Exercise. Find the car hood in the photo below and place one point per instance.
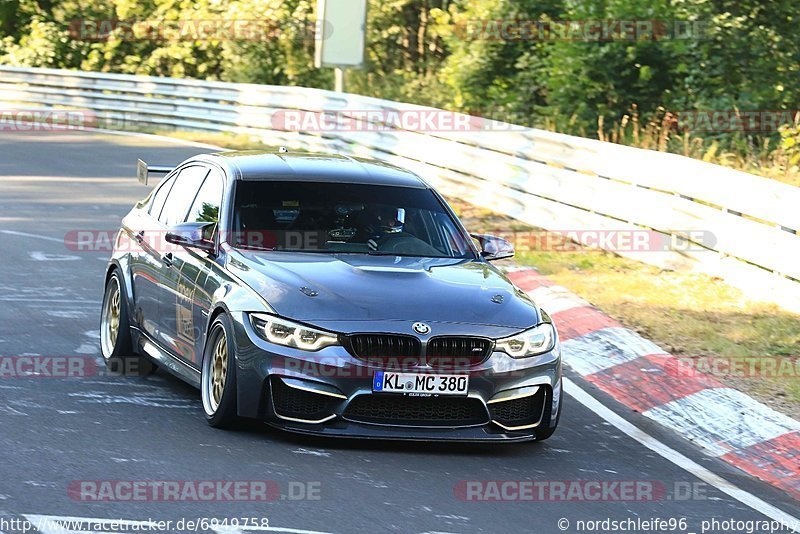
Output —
(325, 288)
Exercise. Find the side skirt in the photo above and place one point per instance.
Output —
(166, 361)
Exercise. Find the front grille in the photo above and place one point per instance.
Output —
(401, 351)
(386, 350)
(300, 404)
(416, 411)
(456, 352)
(520, 412)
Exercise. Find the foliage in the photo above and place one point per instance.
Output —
(712, 55)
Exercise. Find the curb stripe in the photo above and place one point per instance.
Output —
(791, 523)
(649, 381)
(602, 349)
(640, 375)
(577, 322)
(555, 299)
(777, 461)
(722, 420)
(528, 279)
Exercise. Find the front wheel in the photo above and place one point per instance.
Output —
(218, 379)
(115, 334)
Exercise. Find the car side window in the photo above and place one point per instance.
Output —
(206, 206)
(182, 194)
(157, 204)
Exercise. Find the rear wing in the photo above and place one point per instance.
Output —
(143, 170)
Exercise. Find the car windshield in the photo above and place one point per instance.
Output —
(326, 217)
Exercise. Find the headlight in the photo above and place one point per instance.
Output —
(289, 334)
(537, 340)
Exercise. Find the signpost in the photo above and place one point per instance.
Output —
(341, 35)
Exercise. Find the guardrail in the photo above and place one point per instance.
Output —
(554, 181)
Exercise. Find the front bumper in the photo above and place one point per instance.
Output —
(329, 393)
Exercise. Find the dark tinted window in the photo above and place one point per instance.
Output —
(340, 217)
(206, 205)
(183, 192)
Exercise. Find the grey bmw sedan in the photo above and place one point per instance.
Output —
(327, 295)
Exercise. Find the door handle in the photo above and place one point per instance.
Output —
(167, 259)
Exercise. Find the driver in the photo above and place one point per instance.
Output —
(375, 222)
(392, 220)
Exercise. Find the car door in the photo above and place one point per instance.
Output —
(180, 199)
(206, 208)
(145, 236)
(187, 300)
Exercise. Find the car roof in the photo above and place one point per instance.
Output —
(258, 165)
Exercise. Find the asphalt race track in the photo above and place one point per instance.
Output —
(56, 432)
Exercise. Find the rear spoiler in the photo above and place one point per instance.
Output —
(143, 170)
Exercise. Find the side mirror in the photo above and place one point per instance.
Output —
(199, 235)
(493, 247)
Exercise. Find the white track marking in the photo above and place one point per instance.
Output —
(87, 348)
(604, 348)
(66, 314)
(8, 410)
(34, 236)
(312, 452)
(556, 299)
(61, 241)
(155, 400)
(736, 421)
(43, 256)
(668, 453)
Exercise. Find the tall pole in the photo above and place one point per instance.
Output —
(338, 73)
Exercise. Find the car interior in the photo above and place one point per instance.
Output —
(311, 217)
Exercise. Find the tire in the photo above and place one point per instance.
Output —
(545, 431)
(115, 334)
(218, 378)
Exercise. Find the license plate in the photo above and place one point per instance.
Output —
(389, 382)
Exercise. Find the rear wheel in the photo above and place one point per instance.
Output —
(115, 334)
(218, 380)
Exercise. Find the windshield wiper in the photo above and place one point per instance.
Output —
(253, 247)
(278, 249)
(382, 253)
